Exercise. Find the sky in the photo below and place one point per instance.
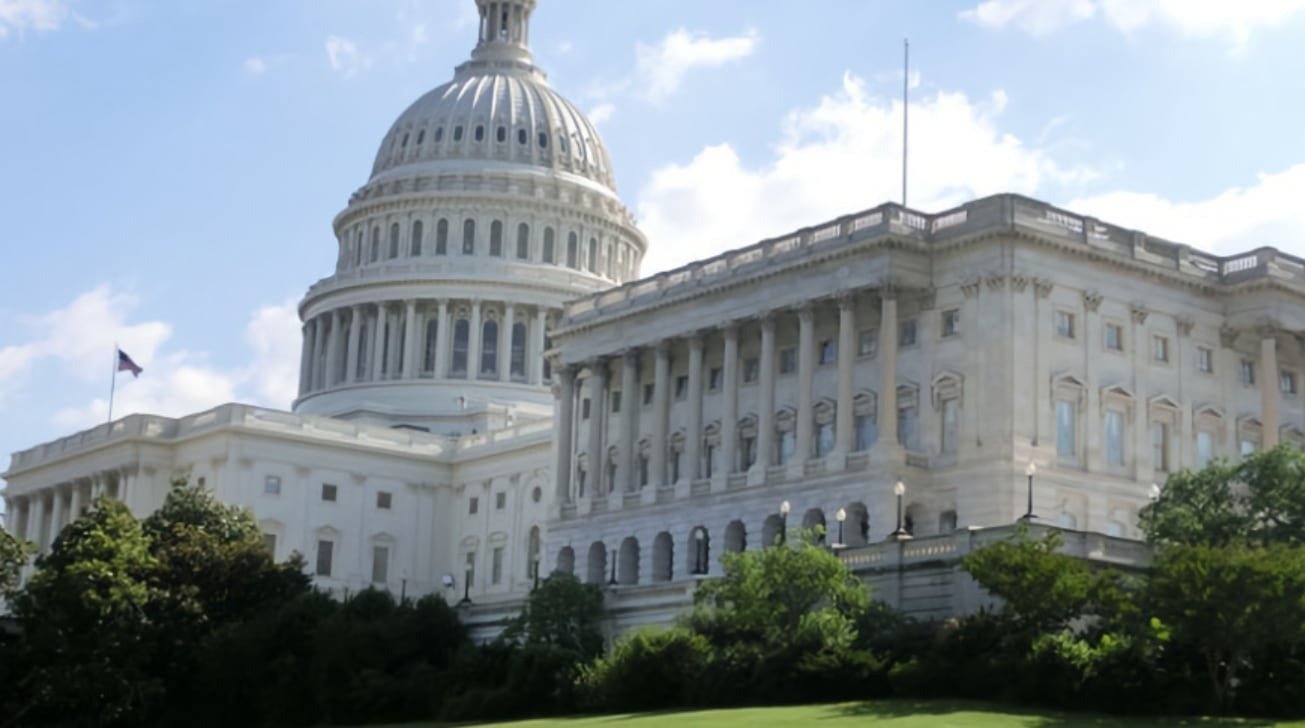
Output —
(169, 169)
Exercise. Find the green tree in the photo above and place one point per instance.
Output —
(14, 553)
(562, 613)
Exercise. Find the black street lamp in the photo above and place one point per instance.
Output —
(1030, 471)
(612, 581)
(784, 508)
(901, 534)
(1155, 492)
(466, 589)
(403, 588)
(840, 517)
(534, 568)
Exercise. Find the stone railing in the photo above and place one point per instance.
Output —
(999, 212)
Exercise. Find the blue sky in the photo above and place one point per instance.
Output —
(171, 167)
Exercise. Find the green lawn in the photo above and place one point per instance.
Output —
(886, 713)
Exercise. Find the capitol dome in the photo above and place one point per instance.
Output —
(491, 204)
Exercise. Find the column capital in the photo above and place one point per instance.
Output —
(1185, 325)
(1042, 287)
(846, 300)
(1228, 336)
(1268, 328)
(631, 355)
(695, 341)
(1092, 300)
(806, 313)
(970, 288)
(663, 347)
(1139, 312)
(730, 329)
(767, 322)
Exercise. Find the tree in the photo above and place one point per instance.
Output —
(562, 613)
(14, 553)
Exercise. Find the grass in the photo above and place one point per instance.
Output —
(879, 713)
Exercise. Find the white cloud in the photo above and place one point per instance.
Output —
(840, 156)
(660, 69)
(23, 15)
(602, 113)
(255, 66)
(1195, 18)
(345, 57)
(79, 340)
(1235, 220)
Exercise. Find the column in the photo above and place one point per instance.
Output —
(75, 505)
(1269, 388)
(565, 408)
(806, 372)
(766, 398)
(320, 358)
(306, 359)
(730, 419)
(410, 345)
(35, 518)
(693, 436)
(443, 335)
(393, 356)
(473, 342)
(843, 441)
(629, 406)
(56, 512)
(597, 463)
(378, 344)
(351, 357)
(661, 411)
(123, 492)
(505, 342)
(332, 346)
(535, 360)
(887, 415)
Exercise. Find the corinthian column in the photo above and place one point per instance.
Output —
(410, 339)
(806, 373)
(730, 420)
(766, 402)
(693, 438)
(473, 342)
(887, 415)
(443, 335)
(378, 345)
(597, 386)
(629, 406)
(565, 409)
(1269, 387)
(351, 358)
(661, 411)
(306, 359)
(846, 361)
(332, 348)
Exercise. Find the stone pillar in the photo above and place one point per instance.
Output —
(473, 342)
(729, 422)
(535, 357)
(505, 342)
(806, 373)
(306, 359)
(661, 412)
(123, 491)
(410, 346)
(597, 386)
(75, 503)
(332, 348)
(394, 356)
(629, 406)
(443, 335)
(36, 518)
(887, 414)
(378, 345)
(320, 359)
(565, 408)
(351, 357)
(766, 401)
(843, 441)
(693, 436)
(1269, 388)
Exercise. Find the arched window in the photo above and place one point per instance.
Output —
(489, 347)
(572, 259)
(376, 245)
(432, 341)
(699, 551)
(597, 567)
(501, 134)
(518, 368)
(611, 262)
(457, 133)
(469, 237)
(461, 333)
(627, 566)
(522, 137)
(442, 237)
(523, 241)
(480, 133)
(663, 555)
(736, 537)
(421, 137)
(593, 255)
(496, 239)
(533, 551)
(416, 238)
(358, 248)
(548, 246)
(543, 140)
(394, 240)
(439, 134)
(566, 560)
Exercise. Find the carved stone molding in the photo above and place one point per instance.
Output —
(927, 298)
(995, 281)
(1139, 313)
(846, 300)
(1267, 328)
(1042, 287)
(970, 288)
(1228, 336)
(1092, 300)
(1018, 282)
(1185, 325)
(302, 470)
(888, 289)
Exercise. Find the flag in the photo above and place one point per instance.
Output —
(125, 364)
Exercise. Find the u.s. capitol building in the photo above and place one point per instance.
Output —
(489, 392)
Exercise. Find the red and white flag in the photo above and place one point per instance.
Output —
(125, 364)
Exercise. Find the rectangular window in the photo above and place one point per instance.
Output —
(1114, 438)
(269, 543)
(866, 432)
(784, 447)
(1065, 324)
(1204, 359)
(1114, 337)
(1160, 446)
(1247, 372)
(500, 500)
(951, 322)
(1247, 447)
(1287, 382)
(584, 408)
(906, 334)
(329, 492)
(748, 451)
(950, 423)
(380, 564)
(1066, 435)
(272, 485)
(473, 505)
(647, 394)
(907, 418)
(324, 549)
(1204, 448)
(824, 439)
(828, 352)
(383, 499)
(715, 379)
(616, 401)
(496, 566)
(1160, 348)
(681, 386)
(867, 342)
(751, 369)
(787, 360)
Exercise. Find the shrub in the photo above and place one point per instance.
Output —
(647, 670)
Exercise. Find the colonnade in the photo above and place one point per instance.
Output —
(423, 338)
(39, 515)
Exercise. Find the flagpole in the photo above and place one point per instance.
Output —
(113, 380)
(906, 82)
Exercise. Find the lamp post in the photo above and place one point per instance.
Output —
(403, 588)
(534, 568)
(1155, 492)
(612, 581)
(901, 534)
(1030, 471)
(840, 517)
(784, 508)
(466, 589)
